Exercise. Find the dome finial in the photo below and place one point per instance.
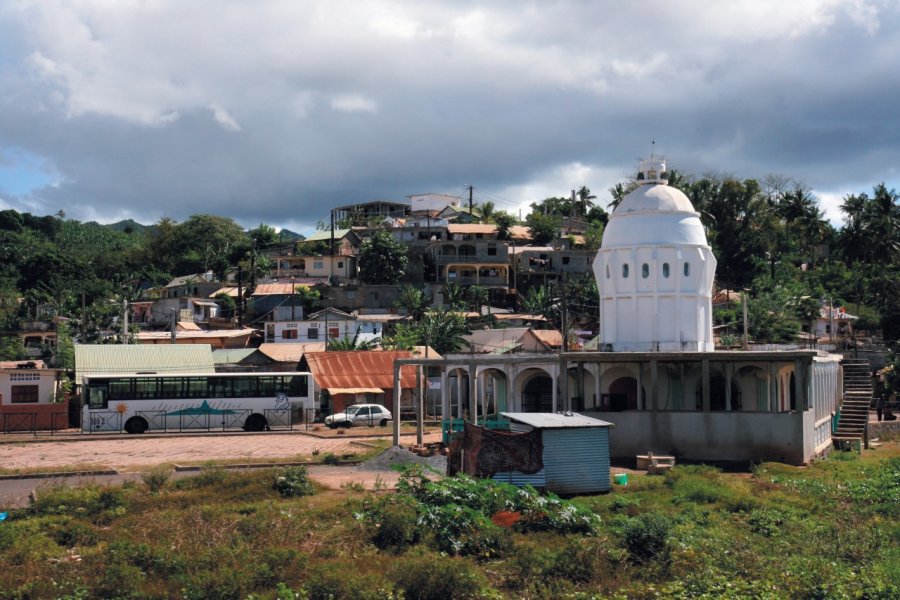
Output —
(653, 170)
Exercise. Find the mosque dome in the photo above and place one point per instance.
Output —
(655, 270)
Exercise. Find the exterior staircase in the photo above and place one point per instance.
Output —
(851, 427)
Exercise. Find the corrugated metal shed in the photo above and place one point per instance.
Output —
(555, 420)
(238, 355)
(576, 451)
(131, 358)
(373, 369)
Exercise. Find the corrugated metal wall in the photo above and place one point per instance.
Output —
(520, 479)
(576, 461)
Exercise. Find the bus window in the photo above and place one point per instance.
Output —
(297, 386)
(97, 395)
(244, 387)
(145, 388)
(170, 388)
(120, 389)
(194, 387)
(219, 387)
(267, 387)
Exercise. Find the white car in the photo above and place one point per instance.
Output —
(360, 414)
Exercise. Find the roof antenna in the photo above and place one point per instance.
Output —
(652, 148)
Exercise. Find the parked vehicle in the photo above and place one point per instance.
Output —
(360, 414)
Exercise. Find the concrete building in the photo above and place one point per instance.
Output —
(657, 376)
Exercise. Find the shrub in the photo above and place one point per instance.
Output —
(90, 499)
(431, 577)
(339, 582)
(73, 533)
(156, 479)
(398, 526)
(292, 482)
(647, 537)
(208, 477)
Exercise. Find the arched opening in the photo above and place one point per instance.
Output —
(718, 399)
(537, 394)
(495, 389)
(623, 394)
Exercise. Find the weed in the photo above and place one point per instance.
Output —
(209, 476)
(292, 482)
(156, 479)
(430, 577)
(647, 537)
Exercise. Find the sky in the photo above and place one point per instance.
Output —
(275, 111)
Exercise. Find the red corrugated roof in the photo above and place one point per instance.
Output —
(374, 369)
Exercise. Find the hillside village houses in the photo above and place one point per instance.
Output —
(654, 371)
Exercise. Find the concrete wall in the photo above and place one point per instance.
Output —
(710, 436)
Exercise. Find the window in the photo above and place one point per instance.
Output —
(340, 264)
(289, 334)
(312, 333)
(607, 271)
(492, 249)
(687, 269)
(24, 394)
(666, 270)
(625, 271)
(645, 270)
(318, 264)
(566, 260)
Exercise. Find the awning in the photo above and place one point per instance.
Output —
(361, 390)
(205, 303)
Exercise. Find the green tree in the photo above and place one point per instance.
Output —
(583, 202)
(382, 259)
(413, 300)
(543, 228)
(504, 221)
(478, 296)
(454, 296)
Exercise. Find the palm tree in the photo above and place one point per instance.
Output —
(488, 210)
(618, 193)
(454, 295)
(583, 204)
(413, 300)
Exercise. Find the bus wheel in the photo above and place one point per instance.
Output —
(255, 422)
(136, 425)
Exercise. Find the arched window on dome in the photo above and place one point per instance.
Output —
(625, 271)
(666, 270)
(607, 271)
(645, 270)
(687, 269)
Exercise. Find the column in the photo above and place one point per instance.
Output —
(704, 365)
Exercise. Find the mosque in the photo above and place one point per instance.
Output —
(656, 375)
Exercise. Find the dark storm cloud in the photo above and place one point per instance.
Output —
(276, 111)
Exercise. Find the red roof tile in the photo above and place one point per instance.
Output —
(373, 369)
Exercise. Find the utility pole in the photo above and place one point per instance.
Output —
(252, 286)
(746, 344)
(240, 302)
(124, 321)
(292, 299)
(470, 200)
(173, 324)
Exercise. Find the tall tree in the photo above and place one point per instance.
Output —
(382, 259)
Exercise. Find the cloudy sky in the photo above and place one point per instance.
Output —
(276, 110)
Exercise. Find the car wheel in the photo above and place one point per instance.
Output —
(136, 425)
(383, 422)
(347, 424)
(255, 422)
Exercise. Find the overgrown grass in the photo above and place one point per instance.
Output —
(827, 531)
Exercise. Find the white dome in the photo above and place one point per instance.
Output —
(658, 198)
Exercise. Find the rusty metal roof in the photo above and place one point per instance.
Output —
(373, 369)
(288, 352)
(551, 337)
(471, 228)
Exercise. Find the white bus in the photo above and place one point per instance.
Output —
(139, 402)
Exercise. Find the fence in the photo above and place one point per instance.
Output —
(38, 419)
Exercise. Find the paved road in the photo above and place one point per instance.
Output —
(129, 455)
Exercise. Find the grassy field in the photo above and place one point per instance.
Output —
(828, 531)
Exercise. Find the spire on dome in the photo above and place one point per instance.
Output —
(653, 171)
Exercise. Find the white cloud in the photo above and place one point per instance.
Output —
(830, 202)
(223, 118)
(353, 103)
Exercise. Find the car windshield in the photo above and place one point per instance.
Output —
(352, 410)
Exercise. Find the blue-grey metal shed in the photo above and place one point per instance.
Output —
(576, 452)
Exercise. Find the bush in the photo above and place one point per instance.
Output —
(340, 582)
(292, 482)
(647, 537)
(398, 526)
(431, 577)
(156, 479)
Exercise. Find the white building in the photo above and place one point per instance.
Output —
(330, 323)
(655, 271)
(657, 376)
(432, 203)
